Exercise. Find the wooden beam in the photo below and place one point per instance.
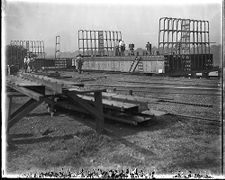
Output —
(114, 104)
(86, 90)
(15, 94)
(9, 98)
(45, 81)
(27, 92)
(99, 108)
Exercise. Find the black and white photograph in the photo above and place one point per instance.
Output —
(112, 89)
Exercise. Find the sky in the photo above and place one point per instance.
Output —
(137, 20)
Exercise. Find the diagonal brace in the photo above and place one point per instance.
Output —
(97, 111)
(23, 111)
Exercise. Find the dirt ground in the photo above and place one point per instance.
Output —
(166, 144)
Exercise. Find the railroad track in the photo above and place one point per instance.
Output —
(145, 90)
(200, 118)
(171, 84)
(186, 103)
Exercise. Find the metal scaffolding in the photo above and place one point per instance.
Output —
(98, 42)
(183, 36)
(185, 45)
(32, 47)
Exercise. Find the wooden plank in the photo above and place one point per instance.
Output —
(78, 90)
(15, 94)
(112, 103)
(116, 116)
(21, 81)
(50, 79)
(142, 102)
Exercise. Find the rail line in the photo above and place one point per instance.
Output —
(145, 90)
(186, 103)
(197, 117)
(171, 84)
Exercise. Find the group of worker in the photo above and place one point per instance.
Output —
(28, 64)
(120, 48)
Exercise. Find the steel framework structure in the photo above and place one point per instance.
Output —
(33, 47)
(57, 47)
(185, 45)
(98, 42)
(183, 36)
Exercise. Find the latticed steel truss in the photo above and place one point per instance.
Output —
(33, 47)
(57, 47)
(98, 42)
(183, 36)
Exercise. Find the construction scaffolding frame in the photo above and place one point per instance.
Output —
(32, 47)
(185, 44)
(98, 42)
(183, 36)
(57, 47)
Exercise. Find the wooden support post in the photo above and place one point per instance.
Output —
(99, 107)
(9, 98)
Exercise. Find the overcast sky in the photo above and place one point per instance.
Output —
(137, 20)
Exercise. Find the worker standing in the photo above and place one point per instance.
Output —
(149, 48)
(28, 65)
(25, 63)
(123, 48)
(120, 47)
(79, 61)
(32, 63)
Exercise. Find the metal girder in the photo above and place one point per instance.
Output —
(22, 111)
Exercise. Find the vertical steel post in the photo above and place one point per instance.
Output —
(91, 42)
(164, 29)
(82, 31)
(106, 40)
(110, 37)
(205, 50)
(208, 37)
(159, 33)
(95, 43)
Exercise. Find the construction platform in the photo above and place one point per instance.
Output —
(73, 96)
